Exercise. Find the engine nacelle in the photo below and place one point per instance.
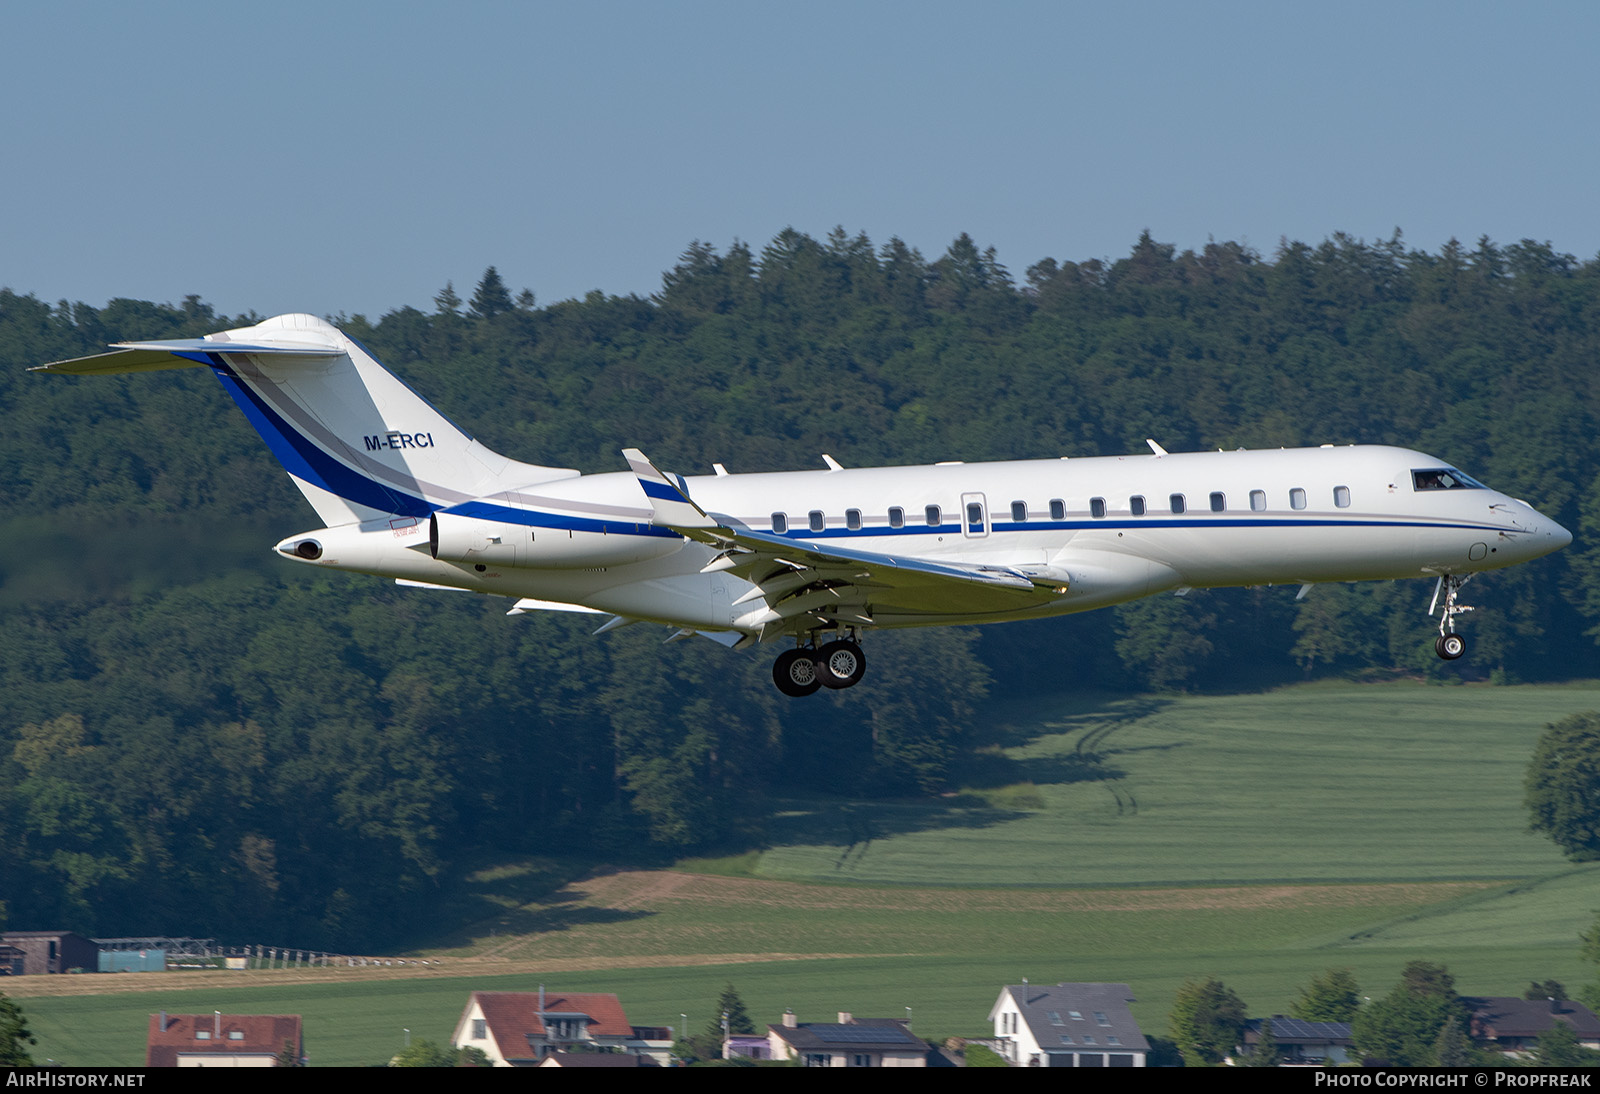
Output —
(454, 537)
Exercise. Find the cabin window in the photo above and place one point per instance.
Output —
(780, 523)
(852, 519)
(1444, 478)
(1297, 498)
(1136, 505)
(1258, 501)
(974, 516)
(897, 517)
(1341, 496)
(1177, 503)
(1218, 502)
(1019, 511)
(1058, 509)
(818, 521)
(1097, 507)
(933, 515)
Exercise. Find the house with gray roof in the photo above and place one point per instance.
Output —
(1301, 1042)
(1068, 1025)
(1513, 1025)
(849, 1042)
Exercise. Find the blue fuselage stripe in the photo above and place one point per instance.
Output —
(1187, 523)
(535, 518)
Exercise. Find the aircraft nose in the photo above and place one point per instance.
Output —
(1541, 535)
(1548, 536)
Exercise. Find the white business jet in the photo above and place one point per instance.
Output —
(820, 557)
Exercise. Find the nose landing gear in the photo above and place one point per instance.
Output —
(1449, 645)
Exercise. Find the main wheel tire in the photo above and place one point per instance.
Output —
(840, 664)
(1450, 646)
(795, 673)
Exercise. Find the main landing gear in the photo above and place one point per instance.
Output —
(837, 664)
(1449, 645)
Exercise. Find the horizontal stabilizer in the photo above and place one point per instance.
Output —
(185, 353)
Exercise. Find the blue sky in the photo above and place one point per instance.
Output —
(353, 157)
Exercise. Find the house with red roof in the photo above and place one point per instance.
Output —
(223, 1040)
(522, 1028)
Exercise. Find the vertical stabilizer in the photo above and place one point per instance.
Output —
(358, 443)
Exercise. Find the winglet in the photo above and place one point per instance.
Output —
(1156, 448)
(672, 507)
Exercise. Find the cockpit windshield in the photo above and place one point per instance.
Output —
(1444, 478)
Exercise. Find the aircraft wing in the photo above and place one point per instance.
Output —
(799, 582)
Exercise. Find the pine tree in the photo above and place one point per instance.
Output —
(14, 1036)
(1207, 1019)
(1405, 1027)
(491, 297)
(1266, 1051)
(729, 1003)
(1331, 997)
(1452, 1049)
(1559, 1047)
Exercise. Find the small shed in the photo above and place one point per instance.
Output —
(35, 953)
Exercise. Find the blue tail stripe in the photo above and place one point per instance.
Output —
(305, 460)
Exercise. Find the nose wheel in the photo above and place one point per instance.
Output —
(1449, 645)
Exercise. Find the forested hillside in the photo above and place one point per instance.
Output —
(197, 738)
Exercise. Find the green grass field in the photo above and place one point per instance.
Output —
(1258, 838)
(1396, 782)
